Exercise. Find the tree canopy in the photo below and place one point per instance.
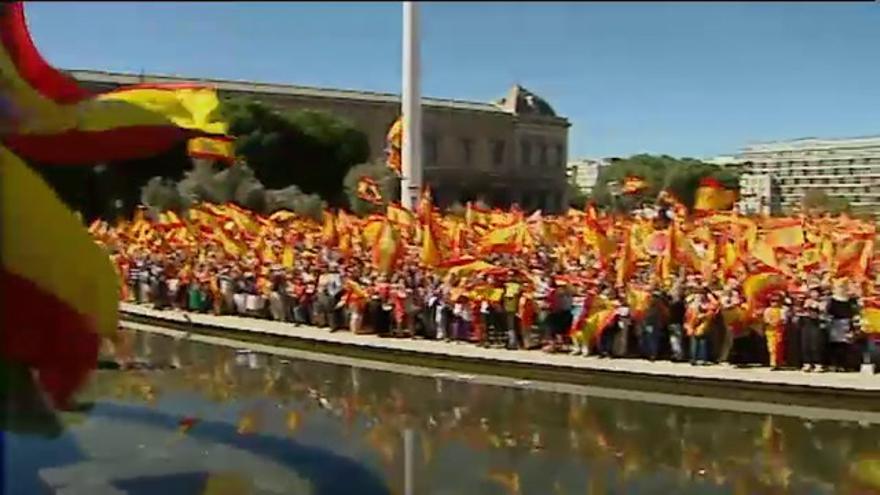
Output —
(307, 148)
(389, 186)
(681, 176)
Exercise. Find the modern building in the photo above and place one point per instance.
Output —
(848, 168)
(722, 160)
(513, 150)
(584, 172)
(758, 194)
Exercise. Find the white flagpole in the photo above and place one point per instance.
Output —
(411, 109)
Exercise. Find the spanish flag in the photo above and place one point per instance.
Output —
(287, 257)
(712, 196)
(788, 235)
(430, 255)
(329, 235)
(219, 148)
(368, 190)
(400, 215)
(759, 287)
(387, 248)
(48, 118)
(425, 207)
(633, 184)
(393, 145)
(853, 258)
(626, 261)
(511, 239)
(60, 290)
(475, 215)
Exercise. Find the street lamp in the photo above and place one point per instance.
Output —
(411, 109)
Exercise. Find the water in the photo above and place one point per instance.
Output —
(212, 420)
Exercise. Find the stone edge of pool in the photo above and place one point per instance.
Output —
(853, 391)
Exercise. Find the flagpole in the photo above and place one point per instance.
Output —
(411, 109)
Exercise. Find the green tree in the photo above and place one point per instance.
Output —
(161, 194)
(307, 148)
(114, 188)
(680, 175)
(389, 186)
(238, 184)
(577, 198)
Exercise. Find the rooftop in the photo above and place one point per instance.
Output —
(812, 143)
(122, 78)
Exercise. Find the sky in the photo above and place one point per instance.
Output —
(684, 79)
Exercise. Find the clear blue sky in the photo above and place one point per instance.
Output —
(685, 79)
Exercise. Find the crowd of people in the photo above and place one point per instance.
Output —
(718, 288)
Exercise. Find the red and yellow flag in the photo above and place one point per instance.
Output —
(788, 235)
(626, 261)
(713, 196)
(387, 248)
(48, 118)
(430, 254)
(400, 215)
(59, 288)
(633, 184)
(329, 235)
(368, 190)
(219, 148)
(512, 239)
(759, 287)
(393, 145)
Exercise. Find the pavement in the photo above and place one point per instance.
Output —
(862, 384)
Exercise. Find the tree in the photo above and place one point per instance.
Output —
(577, 198)
(161, 194)
(817, 200)
(680, 175)
(307, 148)
(389, 186)
(111, 189)
(238, 184)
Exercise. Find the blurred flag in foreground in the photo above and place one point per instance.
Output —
(50, 119)
(60, 291)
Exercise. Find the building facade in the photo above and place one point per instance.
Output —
(513, 150)
(584, 172)
(758, 194)
(847, 168)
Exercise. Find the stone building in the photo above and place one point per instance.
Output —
(513, 150)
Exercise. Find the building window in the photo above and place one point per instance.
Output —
(497, 152)
(431, 155)
(467, 150)
(560, 155)
(542, 154)
(525, 153)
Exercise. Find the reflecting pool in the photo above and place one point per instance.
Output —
(204, 419)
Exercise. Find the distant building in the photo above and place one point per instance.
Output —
(757, 195)
(847, 168)
(723, 160)
(584, 172)
(513, 150)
